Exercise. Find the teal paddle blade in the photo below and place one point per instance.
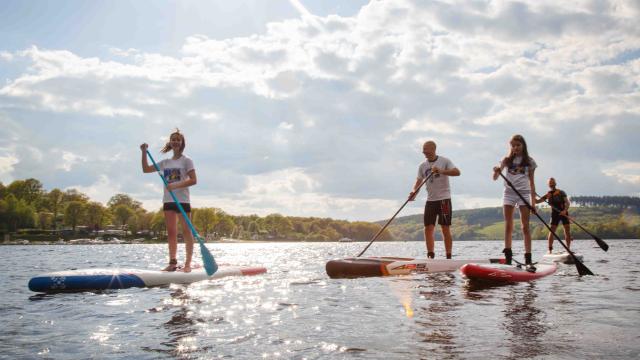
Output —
(209, 262)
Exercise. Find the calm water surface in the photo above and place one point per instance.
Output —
(296, 312)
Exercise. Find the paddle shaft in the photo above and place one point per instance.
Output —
(393, 217)
(582, 269)
(207, 258)
(603, 245)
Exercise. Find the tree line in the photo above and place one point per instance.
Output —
(612, 201)
(609, 222)
(25, 204)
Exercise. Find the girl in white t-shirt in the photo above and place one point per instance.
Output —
(520, 169)
(180, 174)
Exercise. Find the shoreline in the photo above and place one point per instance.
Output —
(23, 242)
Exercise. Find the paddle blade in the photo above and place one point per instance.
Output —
(603, 245)
(582, 269)
(207, 259)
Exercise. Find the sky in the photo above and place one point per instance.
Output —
(319, 108)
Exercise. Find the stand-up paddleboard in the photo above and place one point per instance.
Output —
(564, 258)
(505, 273)
(104, 279)
(386, 266)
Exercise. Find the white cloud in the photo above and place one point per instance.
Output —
(624, 172)
(123, 52)
(286, 181)
(65, 82)
(208, 116)
(327, 113)
(285, 126)
(69, 159)
(306, 14)
(7, 161)
(427, 125)
(6, 56)
(102, 190)
(602, 128)
(610, 80)
(461, 202)
(292, 192)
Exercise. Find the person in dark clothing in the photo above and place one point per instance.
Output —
(559, 203)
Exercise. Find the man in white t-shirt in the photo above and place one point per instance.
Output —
(438, 169)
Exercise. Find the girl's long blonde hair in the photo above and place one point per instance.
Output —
(167, 146)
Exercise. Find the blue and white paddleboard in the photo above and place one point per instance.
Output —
(104, 279)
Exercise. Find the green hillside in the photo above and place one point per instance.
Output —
(609, 222)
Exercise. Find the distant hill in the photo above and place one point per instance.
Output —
(28, 211)
(609, 222)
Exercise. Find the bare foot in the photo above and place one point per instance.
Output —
(170, 268)
(187, 268)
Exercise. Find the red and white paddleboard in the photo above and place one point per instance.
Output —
(505, 273)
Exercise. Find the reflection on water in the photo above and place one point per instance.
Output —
(295, 311)
(436, 316)
(525, 321)
(181, 327)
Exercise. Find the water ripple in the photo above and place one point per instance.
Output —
(295, 312)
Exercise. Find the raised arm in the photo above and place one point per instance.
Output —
(497, 170)
(146, 168)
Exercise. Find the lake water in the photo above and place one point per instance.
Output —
(296, 312)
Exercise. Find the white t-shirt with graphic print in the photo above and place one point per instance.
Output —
(518, 174)
(174, 171)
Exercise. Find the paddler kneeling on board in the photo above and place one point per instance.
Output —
(436, 171)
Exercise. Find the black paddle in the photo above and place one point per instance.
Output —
(582, 269)
(603, 245)
(393, 217)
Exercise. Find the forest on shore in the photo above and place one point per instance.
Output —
(610, 217)
(28, 211)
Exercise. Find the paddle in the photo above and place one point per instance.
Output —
(582, 269)
(603, 245)
(209, 262)
(393, 217)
